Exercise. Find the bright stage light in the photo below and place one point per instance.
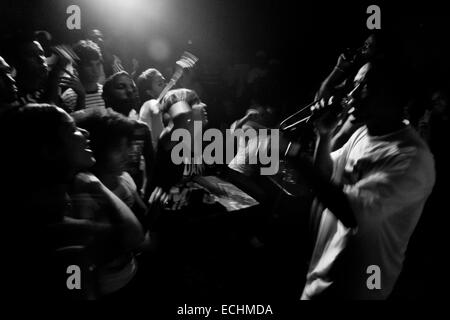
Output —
(125, 4)
(133, 18)
(158, 50)
(133, 10)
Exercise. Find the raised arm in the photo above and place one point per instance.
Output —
(319, 173)
(127, 232)
(335, 78)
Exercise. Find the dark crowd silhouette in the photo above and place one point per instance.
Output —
(89, 178)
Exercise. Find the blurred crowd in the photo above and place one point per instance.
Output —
(88, 176)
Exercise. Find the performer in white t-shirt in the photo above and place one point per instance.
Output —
(371, 193)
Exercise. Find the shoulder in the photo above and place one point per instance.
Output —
(145, 108)
(141, 131)
(140, 125)
(359, 135)
(86, 182)
(69, 93)
(405, 157)
(420, 157)
(128, 181)
(407, 144)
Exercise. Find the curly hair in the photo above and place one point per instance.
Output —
(144, 82)
(106, 129)
(87, 50)
(109, 85)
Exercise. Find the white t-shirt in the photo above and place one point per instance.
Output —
(246, 158)
(387, 180)
(152, 116)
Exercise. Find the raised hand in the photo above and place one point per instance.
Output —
(86, 182)
(74, 83)
(346, 60)
(158, 197)
(187, 60)
(253, 115)
(326, 115)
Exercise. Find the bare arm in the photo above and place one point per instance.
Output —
(319, 174)
(128, 233)
(251, 115)
(336, 77)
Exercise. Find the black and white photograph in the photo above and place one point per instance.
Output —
(223, 159)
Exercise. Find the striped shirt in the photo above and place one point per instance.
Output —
(92, 99)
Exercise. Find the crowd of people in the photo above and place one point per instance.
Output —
(88, 176)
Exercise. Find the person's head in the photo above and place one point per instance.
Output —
(8, 89)
(369, 47)
(42, 146)
(120, 93)
(440, 102)
(96, 36)
(150, 83)
(379, 44)
(90, 63)
(45, 39)
(185, 102)
(377, 95)
(27, 56)
(110, 136)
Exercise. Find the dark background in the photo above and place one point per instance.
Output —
(306, 36)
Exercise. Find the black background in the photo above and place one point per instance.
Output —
(306, 36)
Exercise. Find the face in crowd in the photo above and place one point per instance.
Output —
(358, 95)
(124, 88)
(368, 50)
(157, 85)
(47, 135)
(117, 157)
(439, 102)
(75, 144)
(91, 71)
(33, 63)
(123, 95)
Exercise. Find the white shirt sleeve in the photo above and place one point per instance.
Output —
(404, 181)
